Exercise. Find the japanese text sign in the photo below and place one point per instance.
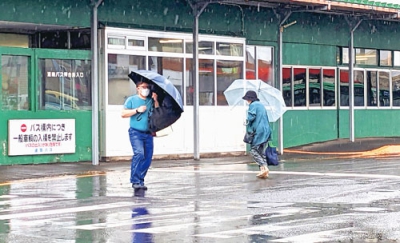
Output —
(44, 136)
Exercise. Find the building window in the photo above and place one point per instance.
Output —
(205, 47)
(287, 88)
(259, 63)
(329, 87)
(221, 61)
(396, 58)
(136, 42)
(120, 87)
(384, 91)
(15, 81)
(321, 79)
(165, 45)
(169, 67)
(314, 84)
(227, 72)
(65, 84)
(79, 39)
(299, 86)
(309, 86)
(339, 55)
(265, 64)
(14, 40)
(229, 49)
(372, 88)
(206, 82)
(385, 58)
(359, 87)
(396, 88)
(189, 89)
(366, 57)
(116, 42)
(345, 55)
(344, 87)
(251, 62)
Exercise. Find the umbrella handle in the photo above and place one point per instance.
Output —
(139, 117)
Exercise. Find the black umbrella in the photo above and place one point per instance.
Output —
(169, 98)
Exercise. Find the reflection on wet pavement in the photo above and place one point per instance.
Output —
(300, 202)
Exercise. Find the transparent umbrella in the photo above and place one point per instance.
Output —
(269, 96)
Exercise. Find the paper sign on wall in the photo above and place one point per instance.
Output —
(41, 136)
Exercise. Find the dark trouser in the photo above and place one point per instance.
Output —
(142, 146)
(257, 151)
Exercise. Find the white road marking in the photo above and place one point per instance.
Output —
(262, 229)
(212, 222)
(8, 196)
(144, 219)
(377, 176)
(68, 210)
(321, 236)
(202, 170)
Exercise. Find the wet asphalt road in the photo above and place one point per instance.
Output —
(350, 200)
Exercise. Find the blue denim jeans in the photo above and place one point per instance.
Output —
(142, 146)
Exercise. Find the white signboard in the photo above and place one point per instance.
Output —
(44, 136)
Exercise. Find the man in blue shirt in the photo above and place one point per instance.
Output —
(137, 108)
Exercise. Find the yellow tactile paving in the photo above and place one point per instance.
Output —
(389, 150)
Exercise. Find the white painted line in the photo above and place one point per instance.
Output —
(213, 222)
(8, 196)
(262, 229)
(131, 221)
(322, 236)
(281, 173)
(68, 210)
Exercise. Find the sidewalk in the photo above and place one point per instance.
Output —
(342, 148)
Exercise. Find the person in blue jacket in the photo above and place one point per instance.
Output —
(257, 122)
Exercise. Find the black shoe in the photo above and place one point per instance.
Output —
(136, 186)
(144, 187)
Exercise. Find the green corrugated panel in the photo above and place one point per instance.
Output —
(371, 3)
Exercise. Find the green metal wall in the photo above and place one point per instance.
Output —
(83, 137)
(82, 117)
(55, 12)
(309, 126)
(258, 25)
(308, 54)
(370, 123)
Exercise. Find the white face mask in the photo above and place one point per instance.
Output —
(145, 92)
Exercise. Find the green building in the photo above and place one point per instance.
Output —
(53, 109)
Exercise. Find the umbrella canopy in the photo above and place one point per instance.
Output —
(162, 83)
(268, 96)
(169, 98)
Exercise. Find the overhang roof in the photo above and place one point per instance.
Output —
(370, 9)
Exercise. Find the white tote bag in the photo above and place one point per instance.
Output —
(164, 132)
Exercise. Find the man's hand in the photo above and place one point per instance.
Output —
(141, 109)
(155, 98)
(130, 112)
